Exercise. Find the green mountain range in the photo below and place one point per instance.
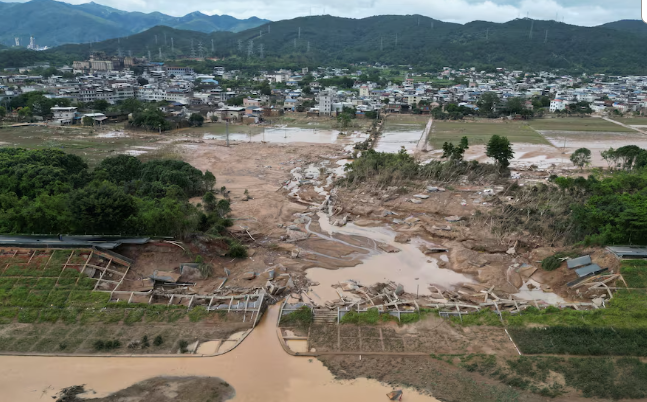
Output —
(54, 23)
(413, 40)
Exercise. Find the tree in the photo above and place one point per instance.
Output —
(344, 120)
(25, 112)
(515, 105)
(307, 90)
(487, 103)
(455, 152)
(150, 118)
(142, 81)
(196, 119)
(581, 157)
(101, 208)
(209, 202)
(101, 105)
(87, 121)
(3, 112)
(236, 101)
(209, 180)
(499, 149)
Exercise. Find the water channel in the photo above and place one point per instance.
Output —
(258, 369)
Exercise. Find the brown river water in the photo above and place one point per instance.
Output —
(258, 369)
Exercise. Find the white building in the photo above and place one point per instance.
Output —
(557, 104)
(63, 115)
(325, 103)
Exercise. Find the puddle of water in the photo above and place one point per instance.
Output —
(208, 348)
(251, 369)
(293, 134)
(410, 267)
(112, 134)
(392, 141)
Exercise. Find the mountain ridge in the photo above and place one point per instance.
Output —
(55, 23)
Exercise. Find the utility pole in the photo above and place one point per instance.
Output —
(546, 38)
(227, 131)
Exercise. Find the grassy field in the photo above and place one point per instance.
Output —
(577, 124)
(479, 132)
(48, 306)
(632, 121)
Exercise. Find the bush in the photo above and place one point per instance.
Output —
(158, 341)
(237, 251)
(183, 346)
(301, 318)
(551, 263)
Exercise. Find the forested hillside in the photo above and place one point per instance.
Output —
(54, 23)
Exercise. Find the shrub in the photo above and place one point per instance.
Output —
(301, 317)
(158, 341)
(551, 263)
(183, 346)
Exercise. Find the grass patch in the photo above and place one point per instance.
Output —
(581, 341)
(8, 314)
(69, 315)
(198, 313)
(300, 318)
(175, 315)
(50, 315)
(635, 273)
(370, 317)
(577, 124)
(134, 316)
(482, 318)
(28, 315)
(480, 131)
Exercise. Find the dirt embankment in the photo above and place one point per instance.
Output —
(159, 389)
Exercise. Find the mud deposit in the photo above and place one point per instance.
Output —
(258, 370)
(161, 389)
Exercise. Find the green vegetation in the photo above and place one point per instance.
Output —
(581, 341)
(48, 191)
(387, 169)
(301, 318)
(577, 124)
(480, 131)
(373, 316)
(500, 149)
(422, 42)
(553, 376)
(581, 157)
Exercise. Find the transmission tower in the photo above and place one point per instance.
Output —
(192, 50)
(250, 48)
(200, 50)
(532, 24)
(308, 51)
(546, 37)
(165, 44)
(172, 46)
(156, 39)
(160, 53)
(213, 49)
(396, 40)
(487, 35)
(299, 33)
(240, 46)
(381, 44)
(295, 43)
(261, 52)
(149, 55)
(130, 53)
(119, 53)
(269, 29)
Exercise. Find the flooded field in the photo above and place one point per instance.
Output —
(284, 135)
(251, 369)
(396, 136)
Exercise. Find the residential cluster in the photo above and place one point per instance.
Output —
(325, 91)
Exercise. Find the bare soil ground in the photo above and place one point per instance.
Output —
(160, 389)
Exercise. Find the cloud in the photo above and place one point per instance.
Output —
(579, 12)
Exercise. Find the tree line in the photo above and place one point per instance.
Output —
(49, 191)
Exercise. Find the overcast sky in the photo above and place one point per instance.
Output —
(579, 12)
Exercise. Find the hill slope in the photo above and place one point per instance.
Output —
(394, 40)
(634, 26)
(55, 23)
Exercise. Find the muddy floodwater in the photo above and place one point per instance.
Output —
(258, 369)
(286, 135)
(410, 267)
(396, 136)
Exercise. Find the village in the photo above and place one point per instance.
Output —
(334, 271)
